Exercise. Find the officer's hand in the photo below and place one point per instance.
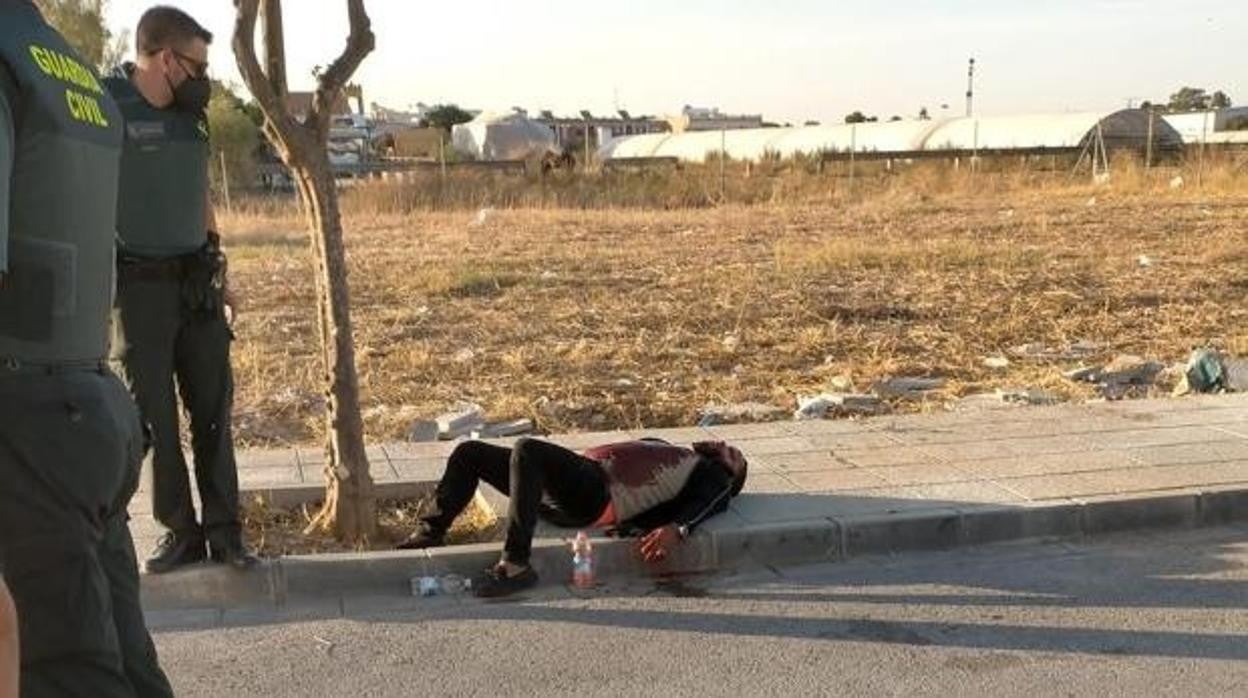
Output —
(231, 305)
(656, 545)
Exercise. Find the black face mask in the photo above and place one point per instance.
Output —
(192, 95)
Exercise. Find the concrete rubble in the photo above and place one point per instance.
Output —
(460, 421)
(823, 405)
(1038, 351)
(907, 387)
(739, 413)
(1117, 378)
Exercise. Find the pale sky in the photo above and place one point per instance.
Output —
(791, 60)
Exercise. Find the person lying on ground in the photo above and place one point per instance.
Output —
(648, 487)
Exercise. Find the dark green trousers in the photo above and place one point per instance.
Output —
(70, 450)
(164, 351)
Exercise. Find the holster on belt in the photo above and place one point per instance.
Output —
(200, 275)
(204, 279)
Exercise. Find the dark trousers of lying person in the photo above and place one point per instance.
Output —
(647, 486)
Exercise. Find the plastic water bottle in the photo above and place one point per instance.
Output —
(582, 562)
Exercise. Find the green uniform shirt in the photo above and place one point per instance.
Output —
(60, 135)
(164, 175)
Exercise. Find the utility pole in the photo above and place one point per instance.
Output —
(970, 88)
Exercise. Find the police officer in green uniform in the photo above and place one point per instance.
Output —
(70, 437)
(170, 323)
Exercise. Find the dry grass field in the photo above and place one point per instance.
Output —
(599, 316)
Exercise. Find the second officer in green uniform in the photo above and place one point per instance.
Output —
(70, 436)
(171, 336)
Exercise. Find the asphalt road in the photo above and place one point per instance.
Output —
(1163, 614)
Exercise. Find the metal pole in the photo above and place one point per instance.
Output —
(1204, 137)
(225, 184)
(723, 162)
(853, 152)
(970, 89)
(975, 149)
(1148, 151)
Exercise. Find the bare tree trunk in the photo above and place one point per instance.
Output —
(350, 499)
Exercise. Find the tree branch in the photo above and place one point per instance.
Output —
(282, 125)
(360, 43)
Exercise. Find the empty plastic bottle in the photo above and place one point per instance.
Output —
(582, 562)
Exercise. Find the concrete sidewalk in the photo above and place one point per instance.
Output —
(832, 489)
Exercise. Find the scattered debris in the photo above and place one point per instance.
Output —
(327, 645)
(1083, 374)
(1130, 370)
(463, 356)
(981, 402)
(1209, 372)
(1101, 178)
(423, 430)
(424, 586)
(1038, 351)
(548, 275)
(731, 342)
(1203, 374)
(1144, 261)
(997, 362)
(820, 406)
(1177, 182)
(515, 427)
(907, 388)
(1006, 398)
(1236, 374)
(1119, 377)
(739, 413)
(1091, 202)
(461, 421)
(1029, 396)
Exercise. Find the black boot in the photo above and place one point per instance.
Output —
(227, 549)
(423, 537)
(176, 550)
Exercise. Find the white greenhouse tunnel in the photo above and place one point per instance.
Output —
(1126, 128)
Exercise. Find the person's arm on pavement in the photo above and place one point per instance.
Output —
(707, 493)
(9, 662)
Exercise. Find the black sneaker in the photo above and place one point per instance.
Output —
(495, 583)
(176, 550)
(231, 551)
(423, 537)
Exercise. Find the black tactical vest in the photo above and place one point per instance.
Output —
(164, 175)
(56, 297)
